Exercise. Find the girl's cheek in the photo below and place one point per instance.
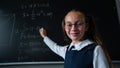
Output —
(81, 28)
(66, 30)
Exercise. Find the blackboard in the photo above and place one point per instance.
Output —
(20, 21)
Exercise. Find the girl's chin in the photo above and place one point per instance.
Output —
(74, 38)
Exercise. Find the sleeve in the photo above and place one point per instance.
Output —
(60, 50)
(99, 59)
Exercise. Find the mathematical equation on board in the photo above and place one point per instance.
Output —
(25, 33)
(30, 43)
(36, 10)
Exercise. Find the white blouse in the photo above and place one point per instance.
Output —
(99, 59)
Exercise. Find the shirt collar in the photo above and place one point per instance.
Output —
(81, 45)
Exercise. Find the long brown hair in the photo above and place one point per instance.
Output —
(91, 34)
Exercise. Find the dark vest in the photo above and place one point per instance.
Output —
(80, 59)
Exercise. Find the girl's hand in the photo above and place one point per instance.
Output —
(42, 32)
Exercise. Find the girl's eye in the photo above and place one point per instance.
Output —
(79, 24)
(68, 24)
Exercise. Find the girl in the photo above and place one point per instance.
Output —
(85, 49)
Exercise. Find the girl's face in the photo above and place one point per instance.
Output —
(75, 26)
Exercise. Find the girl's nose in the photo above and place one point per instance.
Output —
(74, 27)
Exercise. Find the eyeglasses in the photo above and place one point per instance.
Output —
(78, 24)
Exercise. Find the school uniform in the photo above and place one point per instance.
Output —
(84, 54)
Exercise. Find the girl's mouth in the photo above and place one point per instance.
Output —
(74, 34)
